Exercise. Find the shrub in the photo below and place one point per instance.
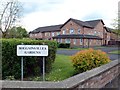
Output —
(88, 59)
(11, 63)
(10, 78)
(64, 45)
(37, 78)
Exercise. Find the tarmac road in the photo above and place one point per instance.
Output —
(107, 50)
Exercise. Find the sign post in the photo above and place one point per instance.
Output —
(22, 68)
(43, 68)
(32, 50)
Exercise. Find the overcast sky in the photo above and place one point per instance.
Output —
(38, 13)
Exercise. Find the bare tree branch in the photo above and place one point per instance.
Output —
(9, 16)
(3, 15)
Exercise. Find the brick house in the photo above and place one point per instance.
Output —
(76, 32)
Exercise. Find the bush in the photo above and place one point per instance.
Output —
(10, 78)
(11, 63)
(89, 59)
(64, 45)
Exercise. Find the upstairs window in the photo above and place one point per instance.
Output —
(64, 31)
(71, 31)
(52, 33)
(95, 33)
(78, 31)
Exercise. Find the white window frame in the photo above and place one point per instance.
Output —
(48, 33)
(95, 32)
(79, 31)
(71, 31)
(35, 34)
(45, 34)
(81, 41)
(64, 31)
(74, 41)
(67, 40)
(58, 33)
(53, 34)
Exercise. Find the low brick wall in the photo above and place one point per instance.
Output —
(95, 78)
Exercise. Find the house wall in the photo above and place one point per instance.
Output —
(71, 25)
(88, 31)
(36, 35)
(113, 37)
(85, 42)
(44, 35)
(83, 30)
(99, 30)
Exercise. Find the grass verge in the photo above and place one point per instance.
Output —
(62, 69)
(72, 48)
(115, 52)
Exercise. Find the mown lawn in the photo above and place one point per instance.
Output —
(72, 48)
(115, 52)
(62, 69)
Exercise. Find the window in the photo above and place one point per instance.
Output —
(71, 31)
(78, 31)
(52, 33)
(60, 40)
(95, 33)
(35, 34)
(58, 33)
(81, 41)
(64, 31)
(31, 35)
(67, 40)
(48, 33)
(74, 41)
(45, 34)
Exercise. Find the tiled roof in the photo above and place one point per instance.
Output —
(47, 28)
(77, 36)
(93, 23)
(108, 29)
(89, 24)
(82, 23)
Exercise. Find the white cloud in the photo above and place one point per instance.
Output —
(55, 12)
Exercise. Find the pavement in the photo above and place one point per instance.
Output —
(106, 49)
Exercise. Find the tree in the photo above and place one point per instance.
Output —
(17, 32)
(116, 25)
(9, 15)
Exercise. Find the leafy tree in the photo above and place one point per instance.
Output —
(116, 26)
(17, 32)
(9, 14)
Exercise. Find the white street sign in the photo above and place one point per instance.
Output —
(32, 50)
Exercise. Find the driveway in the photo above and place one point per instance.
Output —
(106, 49)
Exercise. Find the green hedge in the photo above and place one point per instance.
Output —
(64, 45)
(11, 63)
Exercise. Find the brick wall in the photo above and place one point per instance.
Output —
(72, 25)
(95, 78)
(100, 80)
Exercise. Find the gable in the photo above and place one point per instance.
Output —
(94, 23)
(78, 22)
